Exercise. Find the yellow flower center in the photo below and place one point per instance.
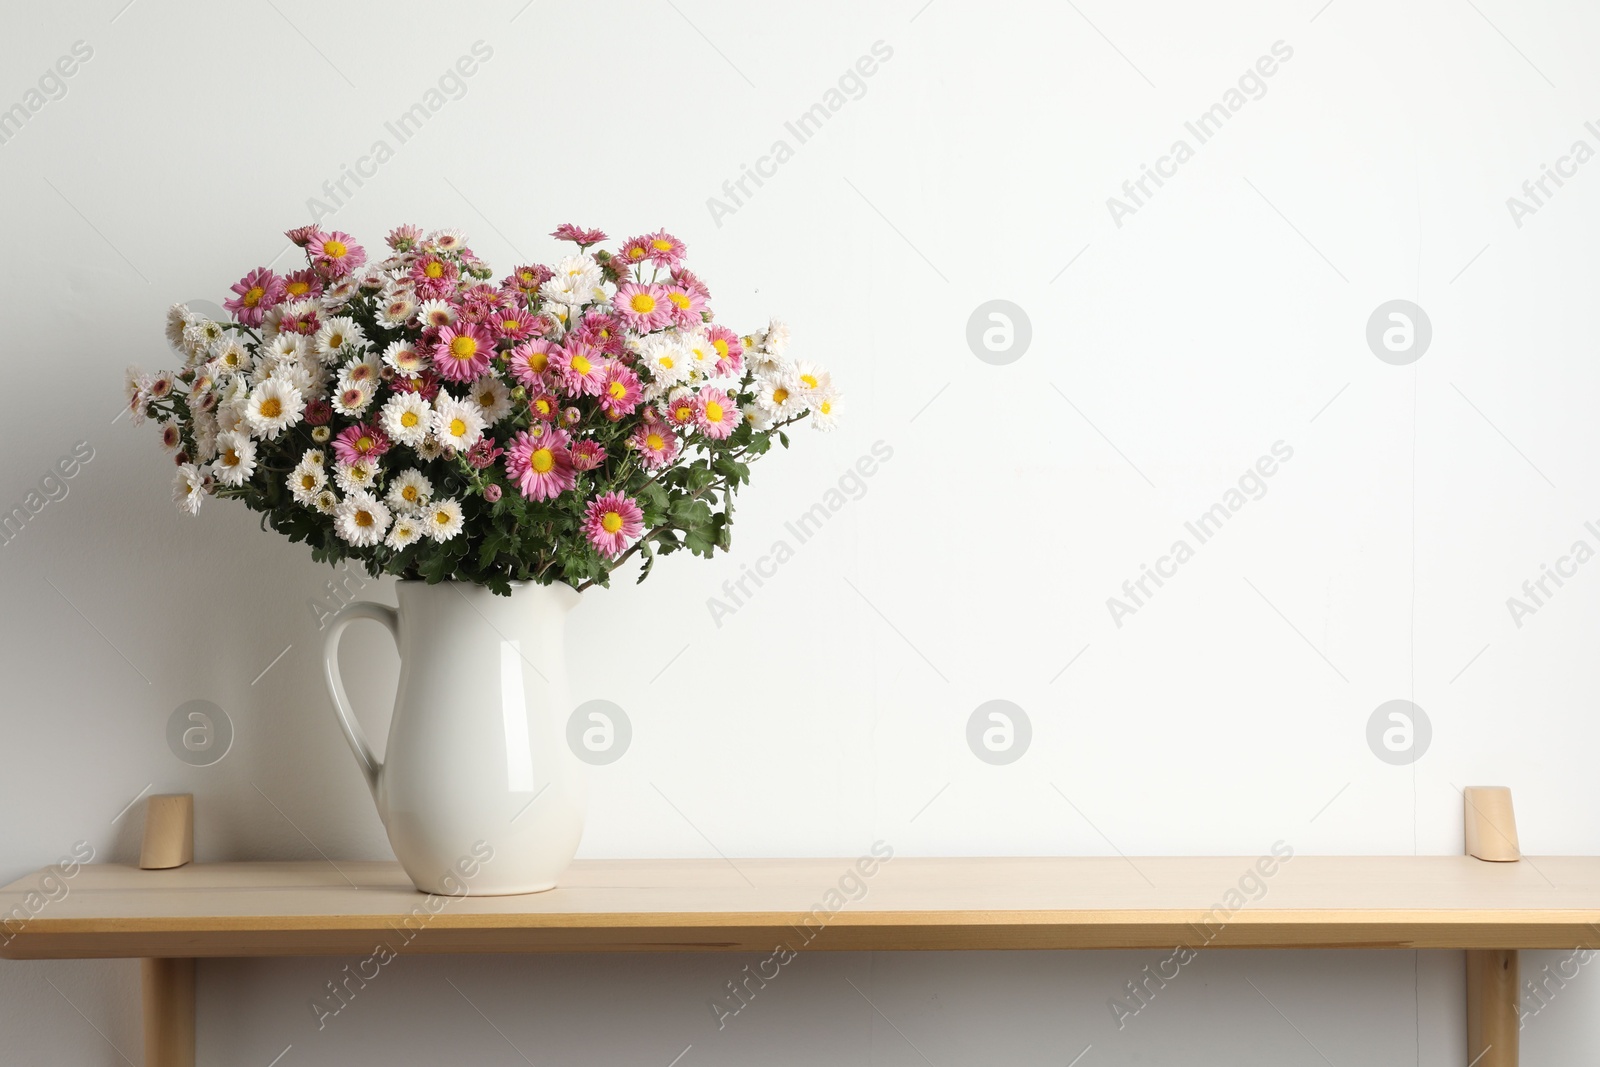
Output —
(643, 303)
(683, 414)
(666, 363)
(297, 288)
(612, 522)
(230, 458)
(364, 443)
(308, 481)
(364, 518)
(510, 324)
(334, 249)
(271, 408)
(826, 407)
(336, 340)
(721, 346)
(810, 380)
(779, 395)
(661, 245)
(635, 253)
(409, 494)
(617, 390)
(542, 406)
(486, 398)
(463, 348)
(442, 518)
(253, 297)
(542, 460)
(538, 361)
(655, 442)
(581, 365)
(434, 269)
(714, 411)
(458, 428)
(408, 419)
(679, 300)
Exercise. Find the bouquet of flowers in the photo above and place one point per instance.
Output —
(413, 415)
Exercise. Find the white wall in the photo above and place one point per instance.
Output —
(1226, 314)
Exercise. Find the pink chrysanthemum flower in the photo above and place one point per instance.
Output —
(581, 369)
(657, 446)
(682, 410)
(665, 249)
(611, 521)
(545, 407)
(526, 280)
(603, 331)
(642, 307)
(568, 232)
(687, 306)
(512, 324)
(305, 321)
(634, 251)
(301, 235)
(302, 285)
(491, 492)
(717, 416)
(462, 351)
(318, 412)
(730, 350)
(685, 277)
(360, 442)
(434, 277)
(254, 294)
(542, 468)
(335, 254)
(620, 393)
(530, 361)
(587, 455)
(404, 238)
(483, 454)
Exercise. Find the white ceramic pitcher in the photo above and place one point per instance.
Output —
(477, 762)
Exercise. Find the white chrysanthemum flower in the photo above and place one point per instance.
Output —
(230, 352)
(361, 519)
(177, 321)
(336, 335)
(756, 416)
(314, 457)
(205, 436)
(306, 481)
(171, 435)
(398, 310)
(357, 476)
(492, 397)
(404, 357)
(700, 353)
(447, 240)
(365, 372)
(327, 502)
(825, 411)
(353, 401)
(667, 359)
(230, 416)
(287, 346)
(189, 488)
(409, 491)
(811, 379)
(577, 281)
(457, 424)
(776, 342)
(337, 294)
(444, 520)
(435, 313)
(295, 373)
(780, 396)
(407, 531)
(406, 418)
(236, 458)
(274, 406)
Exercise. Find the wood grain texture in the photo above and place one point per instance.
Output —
(168, 987)
(314, 908)
(1492, 996)
(168, 831)
(1490, 824)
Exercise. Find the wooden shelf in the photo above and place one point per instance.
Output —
(314, 908)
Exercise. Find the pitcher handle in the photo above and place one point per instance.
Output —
(353, 612)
